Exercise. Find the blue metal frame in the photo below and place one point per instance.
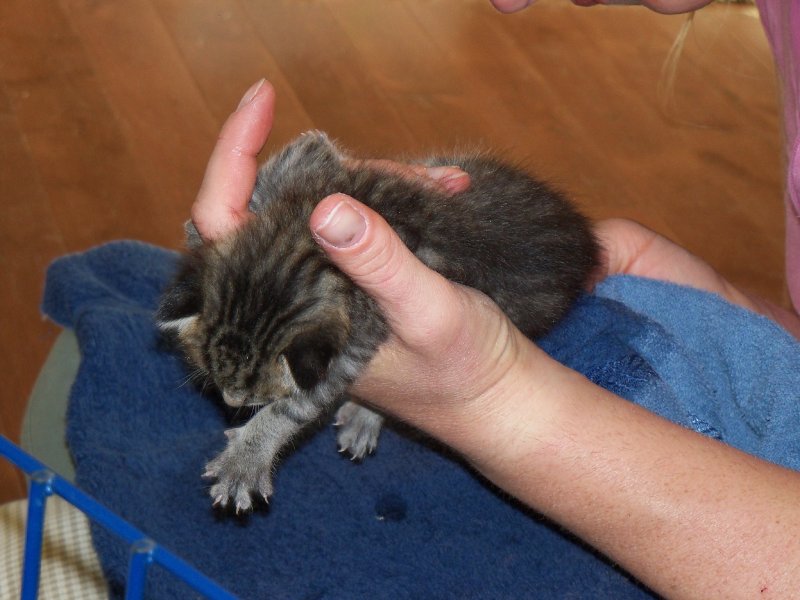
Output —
(144, 551)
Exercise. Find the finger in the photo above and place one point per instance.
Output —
(622, 244)
(415, 299)
(510, 6)
(447, 179)
(221, 204)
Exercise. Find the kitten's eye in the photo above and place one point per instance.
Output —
(308, 357)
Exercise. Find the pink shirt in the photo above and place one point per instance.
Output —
(781, 19)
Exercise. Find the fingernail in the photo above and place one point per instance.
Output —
(343, 227)
(250, 93)
(438, 173)
(456, 182)
(452, 179)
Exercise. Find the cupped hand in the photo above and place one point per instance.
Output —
(452, 354)
(453, 342)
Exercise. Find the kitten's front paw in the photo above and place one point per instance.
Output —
(359, 429)
(239, 471)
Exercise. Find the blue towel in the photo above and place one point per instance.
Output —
(412, 521)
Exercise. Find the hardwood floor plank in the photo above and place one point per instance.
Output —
(29, 239)
(223, 52)
(161, 115)
(12, 483)
(582, 88)
(328, 74)
(74, 138)
(438, 98)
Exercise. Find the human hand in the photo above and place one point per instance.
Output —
(221, 205)
(432, 336)
(453, 341)
(453, 359)
(661, 6)
(511, 6)
(632, 249)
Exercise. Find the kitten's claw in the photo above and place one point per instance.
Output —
(236, 495)
(238, 473)
(243, 502)
(359, 429)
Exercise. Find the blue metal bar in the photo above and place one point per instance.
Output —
(99, 513)
(18, 456)
(141, 559)
(39, 491)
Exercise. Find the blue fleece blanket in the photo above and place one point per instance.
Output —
(411, 521)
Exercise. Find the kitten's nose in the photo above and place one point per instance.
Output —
(234, 399)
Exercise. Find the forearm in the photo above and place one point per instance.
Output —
(685, 514)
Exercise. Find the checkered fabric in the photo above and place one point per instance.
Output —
(70, 569)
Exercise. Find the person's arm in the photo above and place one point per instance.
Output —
(687, 515)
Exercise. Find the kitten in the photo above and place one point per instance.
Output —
(273, 323)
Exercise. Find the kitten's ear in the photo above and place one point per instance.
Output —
(309, 357)
(181, 303)
(312, 154)
(193, 239)
(311, 166)
(315, 147)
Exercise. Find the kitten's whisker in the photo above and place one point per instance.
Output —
(193, 377)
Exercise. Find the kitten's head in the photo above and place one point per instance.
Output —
(263, 312)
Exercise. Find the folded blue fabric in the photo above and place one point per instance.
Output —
(411, 521)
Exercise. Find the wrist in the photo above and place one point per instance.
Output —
(516, 417)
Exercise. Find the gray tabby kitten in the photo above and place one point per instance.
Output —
(273, 323)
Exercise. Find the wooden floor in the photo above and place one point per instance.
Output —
(108, 111)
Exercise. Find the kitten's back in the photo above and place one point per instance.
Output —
(508, 235)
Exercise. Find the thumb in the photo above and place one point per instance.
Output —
(361, 243)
